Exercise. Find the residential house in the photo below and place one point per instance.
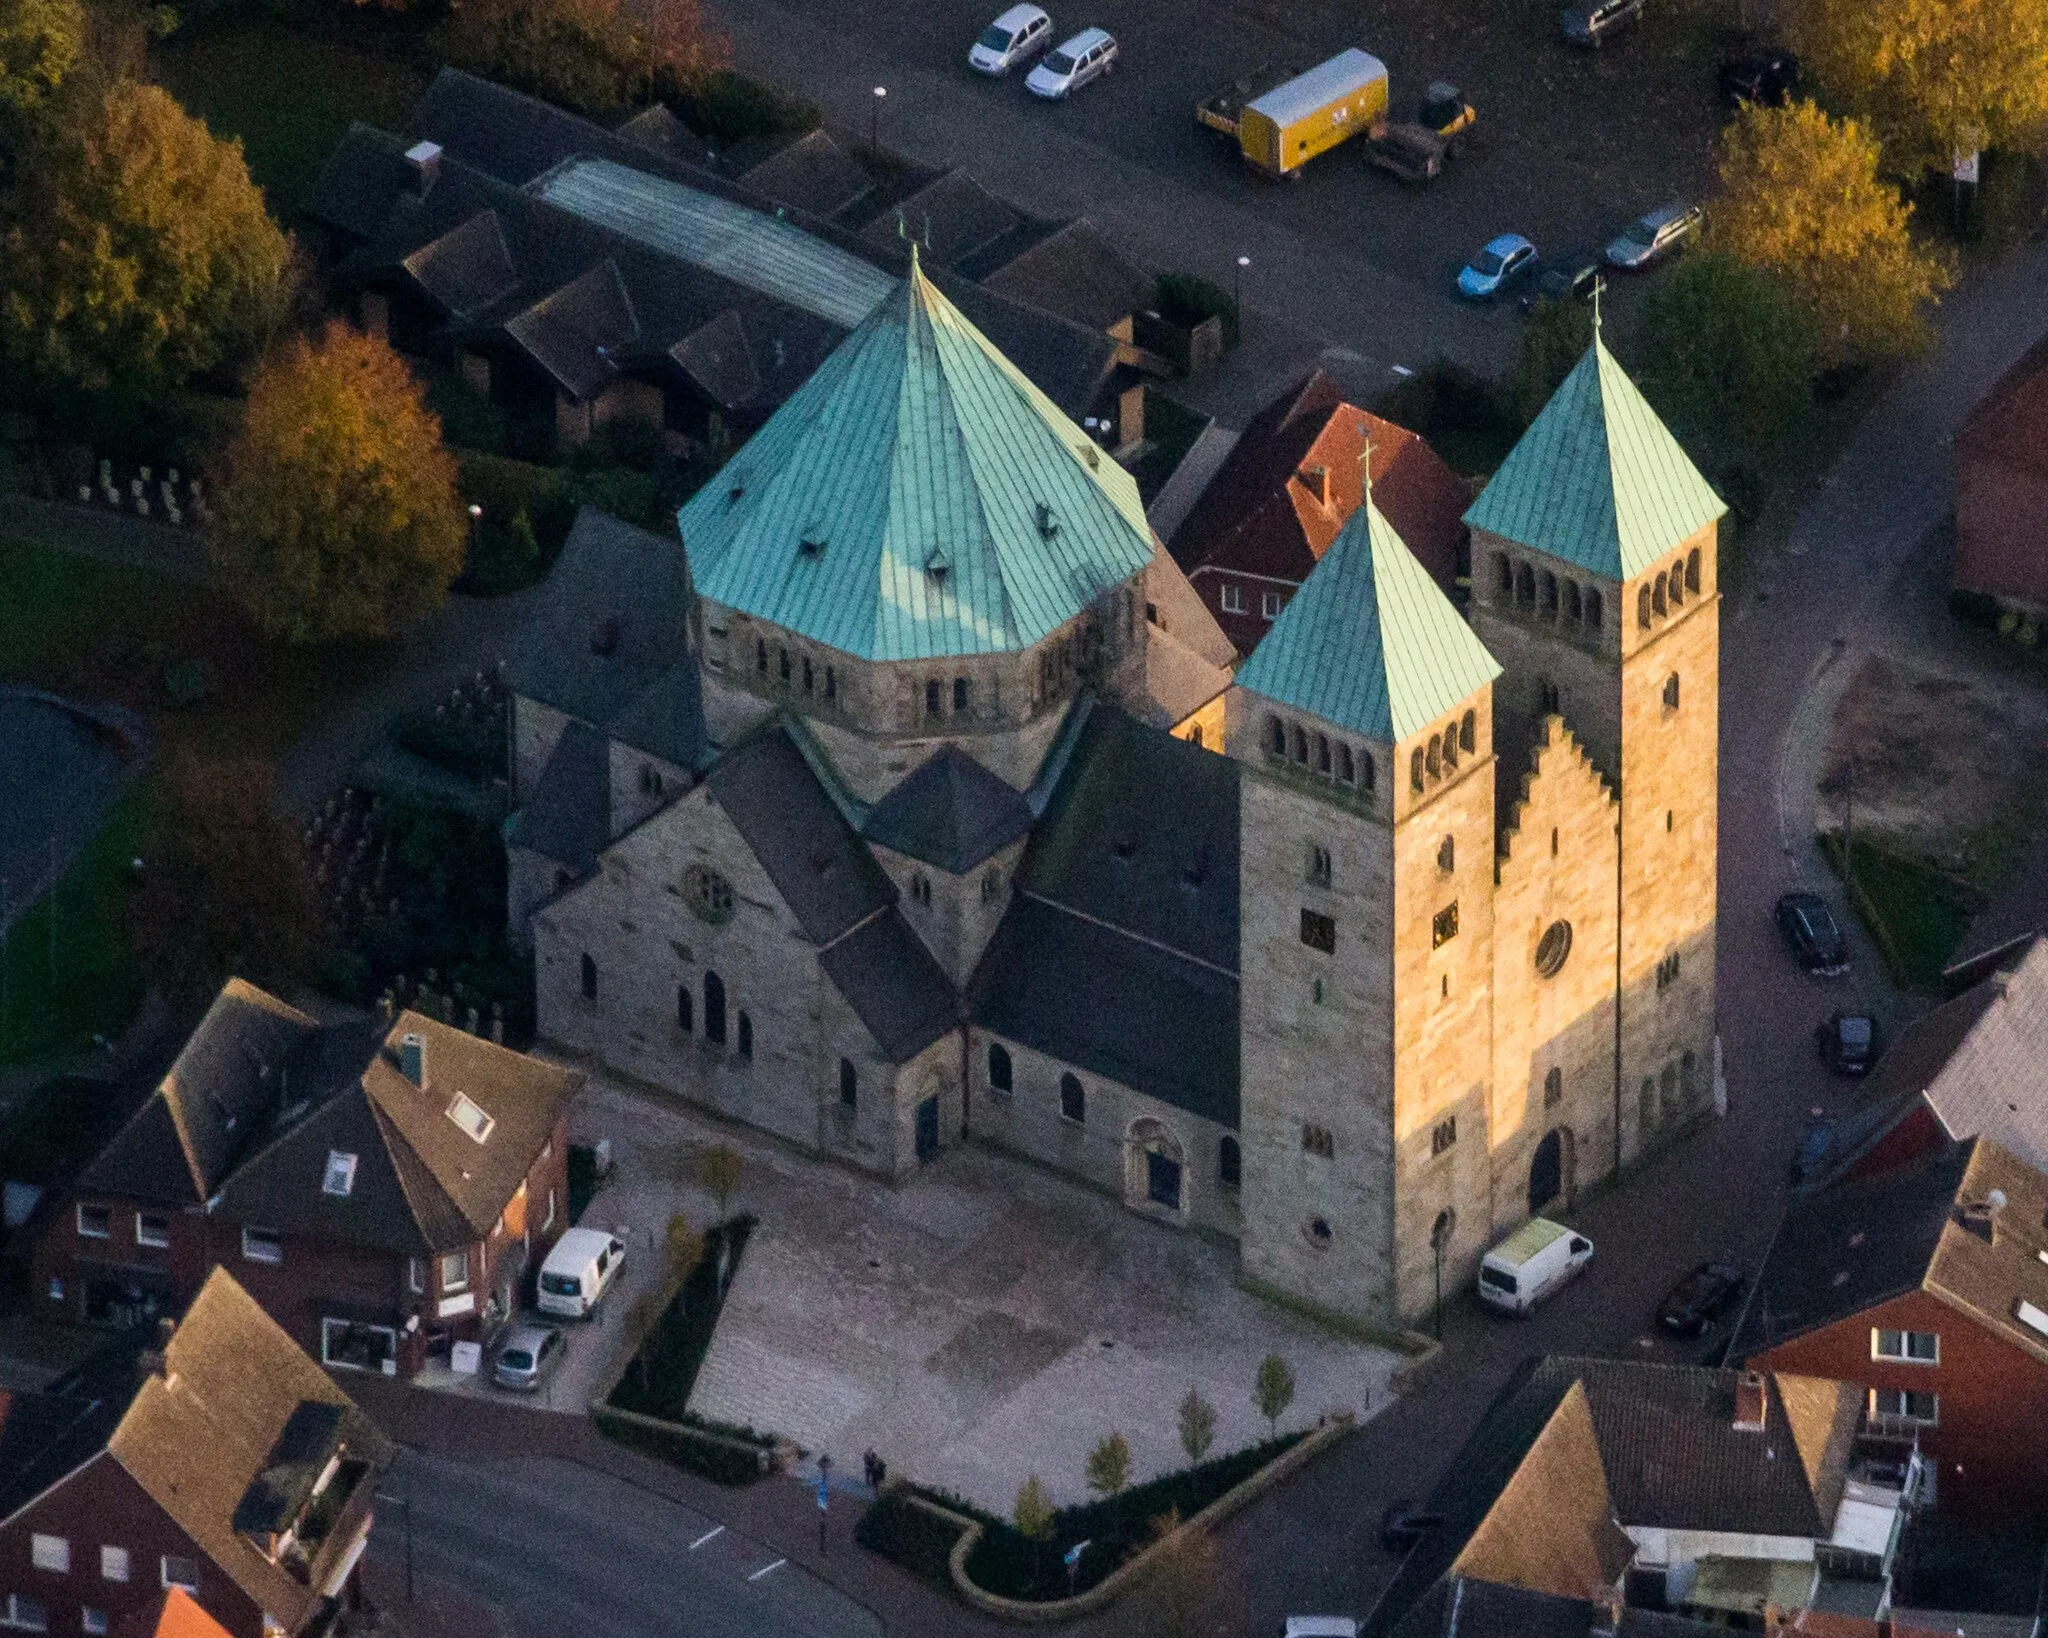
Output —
(1977, 1065)
(2001, 454)
(1927, 1288)
(1285, 492)
(223, 1462)
(382, 1188)
(581, 277)
(1637, 1491)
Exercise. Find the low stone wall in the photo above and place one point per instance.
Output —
(1128, 1574)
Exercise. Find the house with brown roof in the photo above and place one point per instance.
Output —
(381, 1187)
(222, 1464)
(1926, 1287)
(1619, 1496)
(1287, 489)
(2002, 490)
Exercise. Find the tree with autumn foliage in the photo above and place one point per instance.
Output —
(1933, 78)
(40, 43)
(1802, 200)
(135, 252)
(225, 892)
(589, 55)
(338, 515)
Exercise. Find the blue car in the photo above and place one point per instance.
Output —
(1498, 265)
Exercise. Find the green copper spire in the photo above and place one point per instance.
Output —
(917, 497)
(1597, 479)
(1369, 643)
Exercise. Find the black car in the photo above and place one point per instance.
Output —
(1569, 280)
(1848, 1043)
(1690, 1305)
(1403, 1524)
(1766, 77)
(1810, 929)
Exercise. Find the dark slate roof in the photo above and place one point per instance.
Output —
(952, 812)
(824, 872)
(1115, 846)
(580, 333)
(421, 1183)
(892, 982)
(659, 131)
(197, 1437)
(44, 1436)
(220, 1091)
(499, 131)
(1078, 274)
(667, 720)
(612, 620)
(467, 269)
(813, 174)
(953, 216)
(1847, 1248)
(1113, 1005)
(718, 357)
(356, 185)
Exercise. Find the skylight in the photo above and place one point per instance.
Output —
(2031, 1317)
(341, 1174)
(466, 1114)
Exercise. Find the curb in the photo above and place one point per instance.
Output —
(1124, 1576)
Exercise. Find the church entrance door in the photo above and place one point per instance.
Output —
(1550, 1172)
(928, 1129)
(1162, 1180)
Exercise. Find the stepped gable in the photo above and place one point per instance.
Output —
(917, 497)
(1370, 643)
(1597, 480)
(1557, 741)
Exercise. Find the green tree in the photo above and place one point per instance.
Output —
(225, 891)
(1801, 199)
(40, 42)
(1273, 1390)
(718, 1170)
(1931, 77)
(337, 513)
(137, 251)
(590, 55)
(1731, 356)
(1109, 1466)
(1197, 1425)
(1555, 338)
(1033, 1517)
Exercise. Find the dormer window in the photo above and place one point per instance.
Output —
(1048, 525)
(339, 1179)
(938, 565)
(468, 1115)
(812, 544)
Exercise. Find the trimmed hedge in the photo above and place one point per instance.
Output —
(710, 1455)
(911, 1537)
(658, 1380)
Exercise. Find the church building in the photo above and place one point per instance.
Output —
(916, 799)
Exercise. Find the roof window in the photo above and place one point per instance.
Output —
(938, 565)
(468, 1115)
(812, 542)
(2031, 1317)
(1048, 525)
(340, 1178)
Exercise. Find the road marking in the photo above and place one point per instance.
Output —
(716, 1529)
(756, 1576)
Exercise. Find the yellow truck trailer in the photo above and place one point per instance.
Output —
(1282, 129)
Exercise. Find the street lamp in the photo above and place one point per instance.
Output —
(1237, 295)
(875, 123)
(476, 514)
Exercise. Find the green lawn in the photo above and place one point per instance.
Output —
(66, 969)
(1916, 914)
(288, 96)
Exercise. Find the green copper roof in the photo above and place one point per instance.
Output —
(916, 497)
(1369, 642)
(1597, 479)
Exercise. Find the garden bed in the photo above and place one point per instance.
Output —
(1917, 915)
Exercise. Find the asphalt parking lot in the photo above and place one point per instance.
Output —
(1571, 144)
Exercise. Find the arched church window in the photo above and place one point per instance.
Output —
(1503, 576)
(782, 663)
(1643, 606)
(849, 1084)
(1276, 736)
(1659, 604)
(1553, 1089)
(1549, 592)
(1322, 753)
(931, 697)
(1229, 1162)
(685, 1009)
(1368, 775)
(1415, 769)
(1525, 585)
(589, 977)
(1073, 1099)
(1435, 761)
(1468, 731)
(714, 1009)
(1593, 607)
(998, 1067)
(1692, 570)
(1572, 605)
(761, 655)
(746, 1034)
(1300, 744)
(1671, 692)
(959, 694)
(1451, 747)
(1345, 770)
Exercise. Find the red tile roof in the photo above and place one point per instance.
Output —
(181, 1617)
(1270, 512)
(2010, 422)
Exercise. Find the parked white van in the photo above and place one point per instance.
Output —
(583, 1264)
(1531, 1263)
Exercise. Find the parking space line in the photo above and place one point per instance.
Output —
(716, 1529)
(756, 1576)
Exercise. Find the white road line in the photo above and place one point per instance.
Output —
(756, 1576)
(715, 1530)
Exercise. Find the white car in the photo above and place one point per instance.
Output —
(1021, 32)
(1088, 55)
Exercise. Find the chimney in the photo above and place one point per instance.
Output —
(1317, 478)
(412, 1057)
(424, 161)
(1749, 1402)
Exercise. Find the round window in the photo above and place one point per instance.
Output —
(1553, 947)
(708, 894)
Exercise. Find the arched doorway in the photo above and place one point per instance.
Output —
(1550, 1173)
(1155, 1167)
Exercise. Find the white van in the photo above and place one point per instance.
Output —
(1320, 1626)
(578, 1271)
(1531, 1263)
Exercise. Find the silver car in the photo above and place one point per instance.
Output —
(528, 1356)
(1649, 239)
(1087, 56)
